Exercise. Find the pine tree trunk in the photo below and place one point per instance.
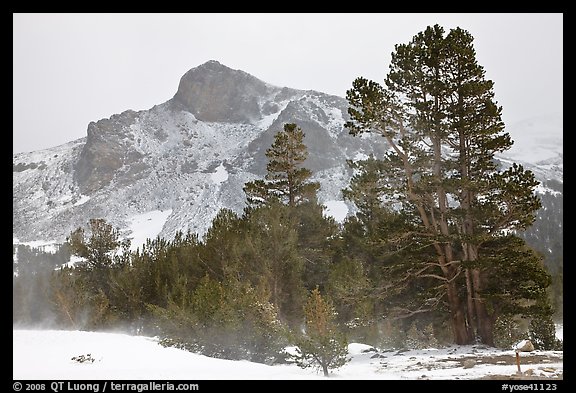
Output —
(470, 300)
(325, 369)
(484, 321)
(460, 330)
(275, 300)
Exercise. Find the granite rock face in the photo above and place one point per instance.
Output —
(213, 92)
(109, 147)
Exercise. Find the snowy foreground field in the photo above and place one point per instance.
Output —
(47, 354)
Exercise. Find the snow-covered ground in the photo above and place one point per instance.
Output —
(47, 354)
(146, 226)
(336, 209)
(220, 175)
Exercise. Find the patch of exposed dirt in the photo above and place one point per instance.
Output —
(510, 359)
(523, 376)
(527, 373)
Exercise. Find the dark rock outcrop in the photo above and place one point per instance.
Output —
(213, 92)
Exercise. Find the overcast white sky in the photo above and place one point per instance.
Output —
(71, 69)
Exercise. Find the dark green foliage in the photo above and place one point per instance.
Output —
(271, 248)
(356, 307)
(540, 330)
(222, 261)
(389, 246)
(516, 278)
(349, 285)
(542, 333)
(225, 320)
(287, 239)
(286, 180)
(316, 234)
(98, 249)
(438, 115)
(508, 331)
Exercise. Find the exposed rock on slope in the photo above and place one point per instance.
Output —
(189, 156)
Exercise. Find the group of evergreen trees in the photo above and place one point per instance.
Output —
(459, 210)
(432, 253)
(33, 269)
(240, 293)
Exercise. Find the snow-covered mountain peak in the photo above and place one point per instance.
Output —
(213, 92)
(181, 161)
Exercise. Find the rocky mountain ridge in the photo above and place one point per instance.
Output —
(190, 155)
(186, 158)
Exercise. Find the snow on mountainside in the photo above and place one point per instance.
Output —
(538, 145)
(537, 139)
(172, 167)
(187, 158)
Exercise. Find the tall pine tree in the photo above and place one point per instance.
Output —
(286, 179)
(438, 115)
(289, 234)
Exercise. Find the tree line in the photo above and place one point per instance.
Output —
(432, 254)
